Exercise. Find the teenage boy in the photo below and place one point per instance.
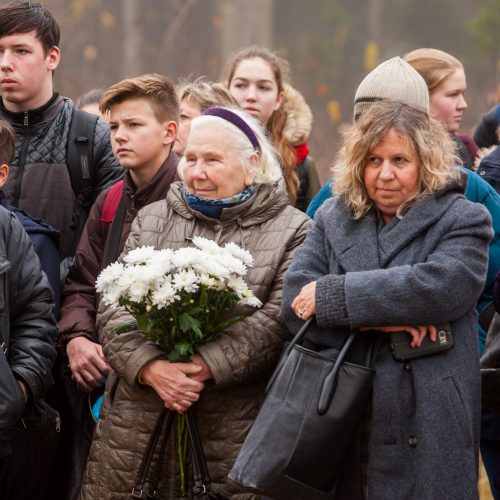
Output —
(55, 175)
(44, 238)
(143, 115)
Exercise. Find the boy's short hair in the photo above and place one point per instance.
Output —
(7, 143)
(21, 17)
(206, 94)
(157, 89)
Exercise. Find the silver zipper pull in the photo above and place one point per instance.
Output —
(26, 122)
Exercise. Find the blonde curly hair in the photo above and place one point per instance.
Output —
(427, 137)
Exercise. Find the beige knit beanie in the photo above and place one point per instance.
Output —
(392, 80)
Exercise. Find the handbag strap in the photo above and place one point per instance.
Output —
(155, 476)
(330, 382)
(142, 473)
(201, 479)
(288, 350)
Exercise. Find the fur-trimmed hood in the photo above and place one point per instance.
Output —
(299, 117)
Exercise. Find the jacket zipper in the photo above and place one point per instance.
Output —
(22, 160)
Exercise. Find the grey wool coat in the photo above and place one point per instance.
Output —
(427, 268)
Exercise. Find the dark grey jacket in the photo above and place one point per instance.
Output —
(27, 325)
(39, 181)
(427, 268)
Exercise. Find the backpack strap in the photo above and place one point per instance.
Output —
(79, 160)
(115, 233)
(110, 206)
(79, 157)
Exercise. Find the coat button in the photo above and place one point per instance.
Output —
(482, 172)
(217, 227)
(412, 441)
(407, 366)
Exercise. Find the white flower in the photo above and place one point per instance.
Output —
(208, 246)
(111, 296)
(207, 264)
(109, 276)
(207, 280)
(186, 257)
(186, 280)
(238, 285)
(140, 255)
(163, 260)
(231, 263)
(138, 291)
(239, 253)
(249, 299)
(164, 296)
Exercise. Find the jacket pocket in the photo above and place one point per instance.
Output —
(459, 417)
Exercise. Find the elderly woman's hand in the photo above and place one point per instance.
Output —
(173, 383)
(417, 333)
(205, 373)
(304, 305)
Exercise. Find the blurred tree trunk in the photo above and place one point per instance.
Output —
(131, 38)
(246, 22)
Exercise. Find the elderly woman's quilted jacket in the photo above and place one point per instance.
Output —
(240, 358)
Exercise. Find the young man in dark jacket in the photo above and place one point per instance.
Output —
(40, 181)
(143, 114)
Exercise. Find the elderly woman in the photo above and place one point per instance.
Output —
(233, 191)
(400, 248)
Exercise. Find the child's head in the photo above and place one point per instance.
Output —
(194, 98)
(89, 102)
(7, 150)
(143, 114)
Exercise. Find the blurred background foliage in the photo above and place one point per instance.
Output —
(331, 45)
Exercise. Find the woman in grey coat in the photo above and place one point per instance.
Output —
(399, 248)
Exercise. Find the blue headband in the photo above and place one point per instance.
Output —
(237, 121)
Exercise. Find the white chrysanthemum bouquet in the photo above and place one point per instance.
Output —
(182, 298)
(179, 299)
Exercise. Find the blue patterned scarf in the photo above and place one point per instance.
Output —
(213, 208)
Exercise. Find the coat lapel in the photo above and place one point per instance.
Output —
(356, 243)
(415, 222)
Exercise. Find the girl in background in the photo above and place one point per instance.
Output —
(258, 79)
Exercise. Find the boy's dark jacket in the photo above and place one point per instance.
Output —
(27, 325)
(78, 309)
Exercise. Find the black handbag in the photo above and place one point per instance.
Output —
(201, 489)
(312, 411)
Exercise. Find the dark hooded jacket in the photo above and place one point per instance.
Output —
(27, 326)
